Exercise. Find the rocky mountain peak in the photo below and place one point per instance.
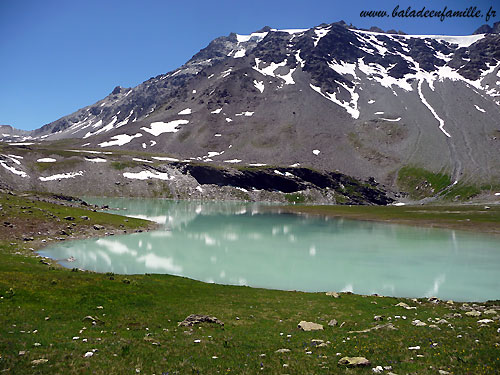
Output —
(487, 29)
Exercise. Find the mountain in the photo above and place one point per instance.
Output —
(333, 98)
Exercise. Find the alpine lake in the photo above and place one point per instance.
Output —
(242, 244)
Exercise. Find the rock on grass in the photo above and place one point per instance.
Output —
(354, 362)
(310, 326)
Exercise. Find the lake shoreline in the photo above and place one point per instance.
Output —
(423, 216)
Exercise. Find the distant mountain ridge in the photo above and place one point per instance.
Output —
(331, 97)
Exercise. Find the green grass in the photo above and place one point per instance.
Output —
(57, 166)
(462, 192)
(295, 198)
(139, 331)
(420, 183)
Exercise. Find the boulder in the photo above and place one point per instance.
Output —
(39, 361)
(354, 361)
(473, 313)
(193, 319)
(333, 294)
(310, 326)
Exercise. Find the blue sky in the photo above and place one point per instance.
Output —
(57, 56)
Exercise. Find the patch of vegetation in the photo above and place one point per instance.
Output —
(121, 165)
(295, 198)
(420, 183)
(461, 192)
(66, 164)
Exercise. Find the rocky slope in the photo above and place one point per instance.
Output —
(334, 98)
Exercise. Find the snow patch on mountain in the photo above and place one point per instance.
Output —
(351, 107)
(246, 38)
(320, 33)
(146, 175)
(186, 111)
(164, 158)
(259, 85)
(61, 176)
(14, 170)
(247, 114)
(120, 140)
(159, 127)
(439, 119)
(46, 160)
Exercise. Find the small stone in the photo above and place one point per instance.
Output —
(333, 323)
(489, 312)
(473, 313)
(443, 372)
(69, 218)
(37, 344)
(84, 218)
(442, 321)
(333, 294)
(309, 326)
(39, 361)
(22, 352)
(197, 341)
(414, 348)
(98, 227)
(92, 320)
(316, 342)
(378, 369)
(433, 299)
(405, 306)
(354, 361)
(450, 302)
(418, 323)
(88, 354)
(283, 350)
(378, 318)
(485, 321)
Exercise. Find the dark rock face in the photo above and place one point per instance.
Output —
(289, 180)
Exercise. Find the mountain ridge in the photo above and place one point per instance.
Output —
(331, 97)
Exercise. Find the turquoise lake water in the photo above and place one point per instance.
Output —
(237, 243)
